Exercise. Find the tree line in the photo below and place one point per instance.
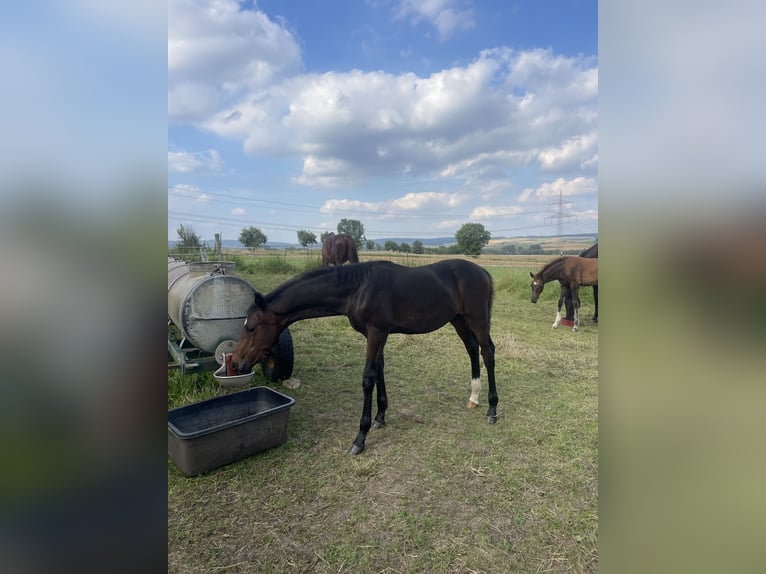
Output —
(469, 239)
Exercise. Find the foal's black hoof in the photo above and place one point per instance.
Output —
(491, 420)
(355, 450)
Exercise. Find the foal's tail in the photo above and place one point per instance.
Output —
(491, 297)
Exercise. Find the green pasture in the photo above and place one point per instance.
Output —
(436, 490)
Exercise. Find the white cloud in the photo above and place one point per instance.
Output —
(323, 172)
(411, 203)
(448, 224)
(567, 188)
(350, 205)
(503, 110)
(186, 162)
(571, 154)
(488, 188)
(187, 198)
(426, 200)
(217, 49)
(189, 101)
(237, 74)
(447, 16)
(489, 212)
(182, 192)
(186, 189)
(590, 164)
(487, 162)
(238, 211)
(532, 71)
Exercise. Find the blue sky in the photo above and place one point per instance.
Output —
(411, 117)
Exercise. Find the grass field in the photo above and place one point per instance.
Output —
(436, 490)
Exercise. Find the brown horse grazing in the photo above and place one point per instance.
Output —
(379, 298)
(570, 271)
(337, 249)
(566, 293)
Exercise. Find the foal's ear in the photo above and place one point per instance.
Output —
(532, 275)
(260, 302)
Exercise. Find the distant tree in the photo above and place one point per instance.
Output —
(354, 228)
(188, 240)
(252, 237)
(370, 245)
(508, 249)
(453, 249)
(471, 237)
(323, 236)
(306, 238)
(404, 247)
(535, 249)
(417, 246)
(391, 245)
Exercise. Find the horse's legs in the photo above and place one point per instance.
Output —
(488, 354)
(380, 387)
(476, 332)
(569, 316)
(368, 382)
(576, 303)
(595, 299)
(563, 294)
(375, 343)
(472, 346)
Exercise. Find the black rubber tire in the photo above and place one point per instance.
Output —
(278, 366)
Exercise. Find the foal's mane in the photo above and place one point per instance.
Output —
(345, 276)
(552, 265)
(591, 252)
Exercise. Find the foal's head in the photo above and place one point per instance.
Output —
(537, 285)
(259, 334)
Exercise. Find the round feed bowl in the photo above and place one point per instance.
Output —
(232, 381)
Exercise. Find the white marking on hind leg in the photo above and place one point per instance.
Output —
(557, 321)
(473, 401)
(576, 320)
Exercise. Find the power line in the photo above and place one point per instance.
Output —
(287, 207)
(200, 218)
(235, 199)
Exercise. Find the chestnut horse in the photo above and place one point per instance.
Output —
(337, 249)
(566, 293)
(379, 298)
(570, 271)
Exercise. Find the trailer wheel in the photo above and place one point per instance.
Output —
(278, 366)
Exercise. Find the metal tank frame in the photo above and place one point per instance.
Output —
(200, 333)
